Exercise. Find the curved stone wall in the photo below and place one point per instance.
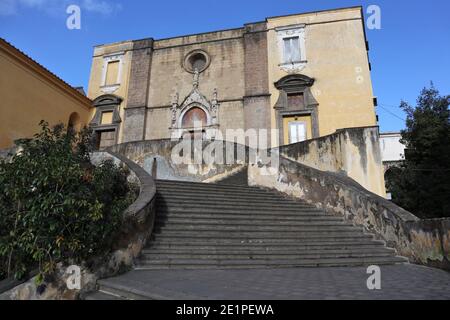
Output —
(137, 226)
(164, 159)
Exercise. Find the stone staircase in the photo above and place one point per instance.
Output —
(231, 226)
(239, 178)
(204, 226)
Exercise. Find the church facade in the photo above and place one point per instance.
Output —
(306, 75)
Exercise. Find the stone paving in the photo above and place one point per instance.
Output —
(404, 281)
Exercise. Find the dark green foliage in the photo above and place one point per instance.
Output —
(55, 206)
(422, 184)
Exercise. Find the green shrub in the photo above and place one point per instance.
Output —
(55, 206)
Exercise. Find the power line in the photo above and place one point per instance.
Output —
(391, 113)
(389, 105)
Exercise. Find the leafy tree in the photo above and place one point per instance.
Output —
(55, 206)
(422, 184)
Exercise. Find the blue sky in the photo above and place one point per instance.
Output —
(411, 49)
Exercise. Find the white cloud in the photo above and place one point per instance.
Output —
(100, 6)
(11, 7)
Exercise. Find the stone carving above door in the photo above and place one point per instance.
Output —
(192, 107)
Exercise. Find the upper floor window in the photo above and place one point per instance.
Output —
(291, 50)
(291, 45)
(112, 72)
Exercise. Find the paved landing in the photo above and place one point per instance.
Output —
(397, 282)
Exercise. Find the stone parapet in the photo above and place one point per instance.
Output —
(137, 226)
(354, 152)
(424, 242)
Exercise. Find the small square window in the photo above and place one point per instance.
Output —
(107, 117)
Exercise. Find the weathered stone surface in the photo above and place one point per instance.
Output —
(353, 151)
(139, 83)
(422, 241)
(54, 288)
(134, 124)
(140, 73)
(160, 152)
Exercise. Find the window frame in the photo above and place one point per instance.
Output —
(297, 123)
(291, 32)
(116, 57)
(293, 48)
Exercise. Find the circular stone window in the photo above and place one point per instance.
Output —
(197, 59)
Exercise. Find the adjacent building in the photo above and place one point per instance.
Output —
(30, 93)
(392, 150)
(392, 154)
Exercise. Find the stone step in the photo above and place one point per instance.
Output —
(245, 264)
(213, 187)
(231, 203)
(201, 186)
(234, 202)
(265, 255)
(256, 228)
(216, 208)
(225, 245)
(171, 194)
(255, 235)
(122, 292)
(100, 295)
(150, 259)
(238, 178)
(233, 216)
(170, 220)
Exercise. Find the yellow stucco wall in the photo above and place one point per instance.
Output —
(99, 74)
(30, 94)
(337, 58)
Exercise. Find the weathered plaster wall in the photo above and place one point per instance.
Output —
(354, 152)
(422, 241)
